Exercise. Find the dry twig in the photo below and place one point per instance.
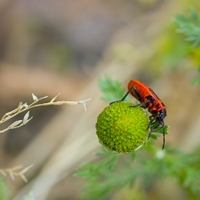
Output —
(13, 172)
(22, 107)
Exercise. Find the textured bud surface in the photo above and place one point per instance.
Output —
(122, 128)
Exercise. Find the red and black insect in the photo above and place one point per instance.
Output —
(148, 99)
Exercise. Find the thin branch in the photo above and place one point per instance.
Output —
(13, 172)
(22, 107)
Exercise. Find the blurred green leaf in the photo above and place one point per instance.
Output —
(196, 80)
(112, 89)
(189, 26)
(4, 192)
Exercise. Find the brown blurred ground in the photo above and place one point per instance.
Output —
(51, 47)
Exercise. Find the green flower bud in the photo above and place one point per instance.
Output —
(121, 127)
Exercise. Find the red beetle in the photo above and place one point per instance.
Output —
(148, 99)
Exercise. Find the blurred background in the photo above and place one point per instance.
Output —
(50, 47)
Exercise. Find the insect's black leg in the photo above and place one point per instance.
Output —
(149, 134)
(124, 97)
(152, 121)
(154, 130)
(163, 146)
(162, 123)
(142, 104)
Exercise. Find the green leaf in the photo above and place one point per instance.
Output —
(112, 89)
(189, 26)
(196, 80)
(153, 136)
(4, 190)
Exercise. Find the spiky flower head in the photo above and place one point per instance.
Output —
(121, 127)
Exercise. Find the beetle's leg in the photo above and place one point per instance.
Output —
(161, 125)
(123, 98)
(163, 146)
(142, 104)
(152, 121)
(157, 128)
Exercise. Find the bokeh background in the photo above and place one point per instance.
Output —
(50, 47)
